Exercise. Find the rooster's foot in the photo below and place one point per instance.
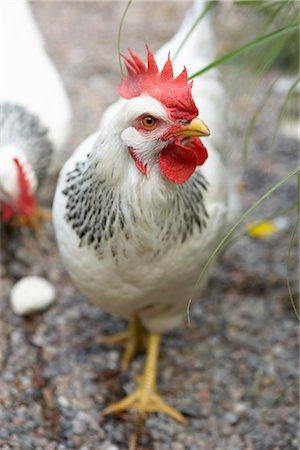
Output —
(145, 398)
(144, 402)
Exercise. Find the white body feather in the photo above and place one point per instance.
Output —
(150, 278)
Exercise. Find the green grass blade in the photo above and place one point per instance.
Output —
(238, 222)
(252, 124)
(283, 52)
(298, 194)
(263, 63)
(293, 303)
(283, 108)
(120, 33)
(262, 40)
(277, 10)
(260, 5)
(275, 400)
(210, 3)
(268, 218)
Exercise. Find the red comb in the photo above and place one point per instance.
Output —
(174, 93)
(26, 200)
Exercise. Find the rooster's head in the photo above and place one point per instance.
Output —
(159, 119)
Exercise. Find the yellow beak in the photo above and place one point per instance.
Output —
(195, 128)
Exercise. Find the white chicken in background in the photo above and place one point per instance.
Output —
(142, 203)
(35, 114)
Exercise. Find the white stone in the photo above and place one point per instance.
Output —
(31, 294)
(282, 222)
(63, 401)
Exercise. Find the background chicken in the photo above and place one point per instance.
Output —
(35, 113)
(140, 206)
(232, 369)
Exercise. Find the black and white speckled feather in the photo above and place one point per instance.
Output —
(137, 243)
(101, 216)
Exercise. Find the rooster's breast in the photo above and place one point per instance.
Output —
(127, 257)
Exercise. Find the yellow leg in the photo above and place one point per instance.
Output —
(145, 398)
(33, 221)
(133, 340)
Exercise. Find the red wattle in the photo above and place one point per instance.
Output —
(177, 164)
(200, 151)
(142, 168)
(177, 161)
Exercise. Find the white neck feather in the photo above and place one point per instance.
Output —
(113, 161)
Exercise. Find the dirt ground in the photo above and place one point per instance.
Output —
(233, 369)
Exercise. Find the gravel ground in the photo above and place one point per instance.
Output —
(235, 362)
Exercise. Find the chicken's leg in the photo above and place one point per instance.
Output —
(33, 221)
(145, 398)
(133, 340)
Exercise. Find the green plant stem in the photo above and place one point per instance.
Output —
(287, 268)
(293, 303)
(251, 45)
(210, 3)
(119, 34)
(282, 393)
(298, 194)
(283, 108)
(237, 223)
(252, 123)
(282, 211)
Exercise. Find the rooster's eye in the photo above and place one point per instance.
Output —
(148, 121)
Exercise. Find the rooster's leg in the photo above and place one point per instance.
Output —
(145, 398)
(133, 340)
(33, 221)
(39, 215)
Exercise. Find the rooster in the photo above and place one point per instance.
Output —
(35, 115)
(142, 203)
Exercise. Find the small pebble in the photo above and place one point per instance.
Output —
(31, 294)
(63, 401)
(16, 269)
(240, 409)
(178, 446)
(79, 426)
(231, 418)
(227, 430)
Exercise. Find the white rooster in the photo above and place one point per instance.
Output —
(35, 114)
(141, 204)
